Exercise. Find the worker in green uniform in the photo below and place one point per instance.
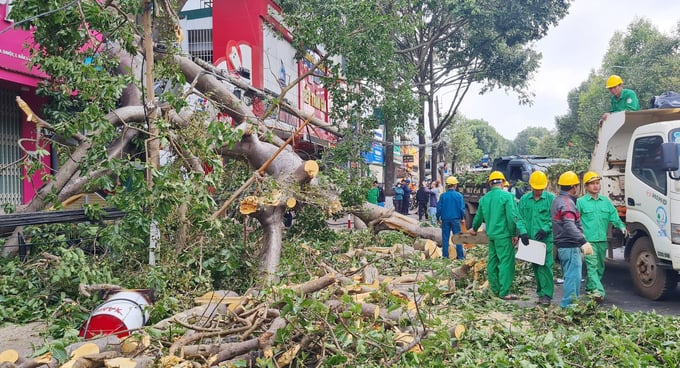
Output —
(498, 210)
(596, 213)
(622, 99)
(372, 194)
(534, 209)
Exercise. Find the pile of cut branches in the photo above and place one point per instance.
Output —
(393, 305)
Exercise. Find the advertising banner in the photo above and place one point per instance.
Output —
(13, 57)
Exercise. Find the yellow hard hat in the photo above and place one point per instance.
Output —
(613, 81)
(569, 178)
(590, 176)
(538, 180)
(451, 180)
(496, 175)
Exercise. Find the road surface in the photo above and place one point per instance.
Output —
(618, 286)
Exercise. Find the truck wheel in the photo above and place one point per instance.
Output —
(651, 281)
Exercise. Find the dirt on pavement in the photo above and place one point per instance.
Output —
(22, 338)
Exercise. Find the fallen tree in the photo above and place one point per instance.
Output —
(133, 119)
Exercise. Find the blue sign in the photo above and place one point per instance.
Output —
(375, 156)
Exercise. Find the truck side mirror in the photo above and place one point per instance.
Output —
(670, 159)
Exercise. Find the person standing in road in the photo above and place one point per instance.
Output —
(433, 196)
(534, 209)
(568, 236)
(451, 211)
(422, 198)
(406, 201)
(439, 188)
(597, 212)
(398, 198)
(622, 99)
(498, 210)
(381, 194)
(372, 194)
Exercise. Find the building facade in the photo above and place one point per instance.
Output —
(18, 138)
(251, 43)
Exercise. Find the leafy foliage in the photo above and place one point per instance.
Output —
(461, 145)
(488, 139)
(528, 141)
(310, 224)
(496, 333)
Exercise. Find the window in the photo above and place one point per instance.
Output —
(10, 154)
(646, 159)
(200, 44)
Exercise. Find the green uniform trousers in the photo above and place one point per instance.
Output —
(595, 268)
(501, 266)
(545, 285)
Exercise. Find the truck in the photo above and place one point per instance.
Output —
(515, 168)
(636, 155)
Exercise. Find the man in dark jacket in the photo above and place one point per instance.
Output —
(422, 197)
(406, 202)
(381, 194)
(568, 236)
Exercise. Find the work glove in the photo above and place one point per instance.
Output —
(525, 239)
(587, 249)
(625, 232)
(540, 235)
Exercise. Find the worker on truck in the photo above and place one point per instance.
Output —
(534, 209)
(568, 236)
(498, 210)
(622, 99)
(596, 213)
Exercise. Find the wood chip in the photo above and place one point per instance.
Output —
(10, 356)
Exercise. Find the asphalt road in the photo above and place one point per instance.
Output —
(618, 286)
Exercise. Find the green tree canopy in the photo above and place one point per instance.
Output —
(488, 139)
(460, 145)
(527, 141)
(456, 43)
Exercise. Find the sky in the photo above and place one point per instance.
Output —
(570, 51)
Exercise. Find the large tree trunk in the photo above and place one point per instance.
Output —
(271, 219)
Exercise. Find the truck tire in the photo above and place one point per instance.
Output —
(651, 280)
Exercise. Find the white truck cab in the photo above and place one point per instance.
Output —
(637, 156)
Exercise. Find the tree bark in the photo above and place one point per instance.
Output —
(383, 219)
(271, 219)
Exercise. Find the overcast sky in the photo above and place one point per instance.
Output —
(570, 51)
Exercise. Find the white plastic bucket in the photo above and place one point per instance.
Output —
(122, 312)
